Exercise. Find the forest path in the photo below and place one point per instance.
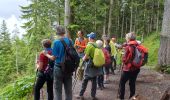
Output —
(150, 84)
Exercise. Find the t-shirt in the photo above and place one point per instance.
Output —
(58, 49)
(81, 43)
(44, 59)
(90, 49)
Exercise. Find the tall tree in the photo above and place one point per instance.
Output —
(67, 16)
(164, 50)
(110, 17)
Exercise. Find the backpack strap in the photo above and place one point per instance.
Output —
(64, 43)
(93, 45)
(65, 46)
(133, 52)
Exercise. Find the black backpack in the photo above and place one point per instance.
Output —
(71, 58)
(49, 70)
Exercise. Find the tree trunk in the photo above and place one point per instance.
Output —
(122, 26)
(131, 18)
(164, 50)
(157, 22)
(135, 20)
(104, 24)
(16, 61)
(110, 17)
(67, 16)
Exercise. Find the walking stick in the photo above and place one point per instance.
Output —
(76, 76)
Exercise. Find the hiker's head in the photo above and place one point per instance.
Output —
(130, 36)
(80, 34)
(107, 41)
(91, 36)
(99, 43)
(46, 43)
(60, 30)
(114, 39)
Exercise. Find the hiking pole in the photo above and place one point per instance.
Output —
(76, 76)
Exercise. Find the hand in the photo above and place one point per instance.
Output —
(76, 46)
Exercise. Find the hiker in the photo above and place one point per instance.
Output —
(107, 67)
(80, 43)
(129, 71)
(100, 78)
(61, 78)
(113, 45)
(90, 72)
(42, 76)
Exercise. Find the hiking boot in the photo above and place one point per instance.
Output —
(79, 97)
(106, 82)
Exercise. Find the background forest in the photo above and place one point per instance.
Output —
(111, 17)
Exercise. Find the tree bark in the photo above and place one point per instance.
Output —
(110, 17)
(164, 50)
(157, 21)
(131, 17)
(67, 17)
(122, 26)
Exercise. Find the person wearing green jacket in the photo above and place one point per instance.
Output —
(113, 53)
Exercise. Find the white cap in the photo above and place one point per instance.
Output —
(99, 43)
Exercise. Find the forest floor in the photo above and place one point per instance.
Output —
(150, 84)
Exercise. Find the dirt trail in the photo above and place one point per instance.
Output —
(150, 84)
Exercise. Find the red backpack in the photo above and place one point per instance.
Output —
(137, 56)
(107, 56)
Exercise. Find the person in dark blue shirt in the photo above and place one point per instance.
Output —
(60, 78)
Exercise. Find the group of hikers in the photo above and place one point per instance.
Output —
(57, 63)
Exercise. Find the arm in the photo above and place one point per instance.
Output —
(51, 57)
(82, 46)
(40, 65)
(85, 57)
(127, 55)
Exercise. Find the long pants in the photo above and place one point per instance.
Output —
(113, 67)
(59, 80)
(131, 76)
(84, 86)
(100, 80)
(39, 84)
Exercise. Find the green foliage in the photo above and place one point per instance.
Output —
(19, 89)
(152, 42)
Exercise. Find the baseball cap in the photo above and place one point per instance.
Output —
(92, 35)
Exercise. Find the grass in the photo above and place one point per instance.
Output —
(152, 42)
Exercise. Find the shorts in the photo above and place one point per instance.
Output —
(106, 69)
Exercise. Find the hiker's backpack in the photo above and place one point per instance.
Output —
(99, 58)
(145, 50)
(49, 69)
(137, 56)
(71, 58)
(107, 56)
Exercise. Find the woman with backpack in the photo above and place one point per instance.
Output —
(129, 71)
(108, 65)
(100, 78)
(42, 74)
(90, 71)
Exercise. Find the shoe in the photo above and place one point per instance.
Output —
(105, 82)
(94, 98)
(79, 97)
